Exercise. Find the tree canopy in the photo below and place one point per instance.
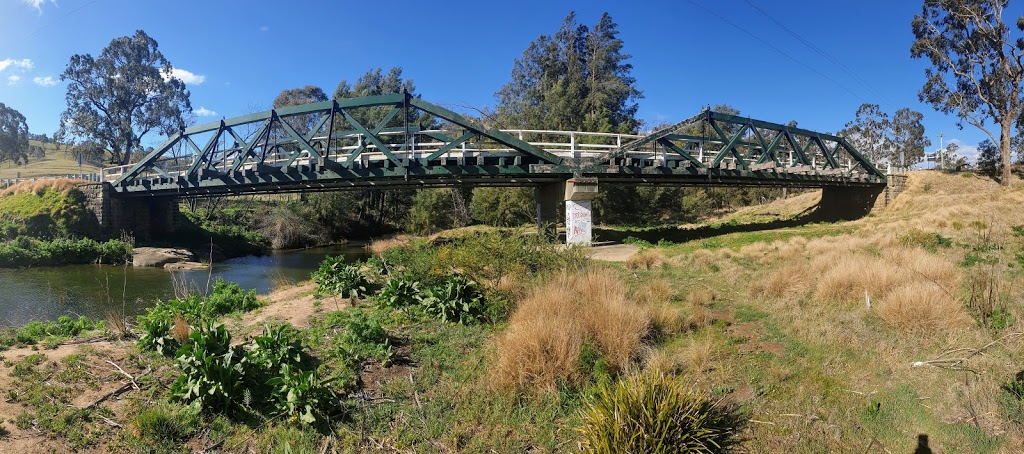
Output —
(976, 66)
(578, 79)
(122, 95)
(14, 144)
(899, 139)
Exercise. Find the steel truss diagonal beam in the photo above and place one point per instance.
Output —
(243, 154)
(759, 150)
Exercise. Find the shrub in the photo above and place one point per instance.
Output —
(25, 251)
(654, 413)
(337, 278)
(37, 331)
(455, 300)
(399, 292)
(214, 374)
(228, 297)
(165, 325)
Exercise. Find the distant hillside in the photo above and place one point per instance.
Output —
(55, 162)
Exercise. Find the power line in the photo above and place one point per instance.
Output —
(766, 43)
(56, 20)
(15, 13)
(821, 52)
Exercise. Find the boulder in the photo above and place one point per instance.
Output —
(159, 257)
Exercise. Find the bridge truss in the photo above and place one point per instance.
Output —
(399, 140)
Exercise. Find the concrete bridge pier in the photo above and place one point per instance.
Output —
(141, 217)
(578, 195)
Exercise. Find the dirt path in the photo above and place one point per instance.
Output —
(613, 252)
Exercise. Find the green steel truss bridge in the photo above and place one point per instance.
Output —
(323, 146)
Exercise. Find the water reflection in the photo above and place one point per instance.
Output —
(94, 290)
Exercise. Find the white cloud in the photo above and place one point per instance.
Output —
(47, 81)
(188, 77)
(204, 112)
(13, 79)
(23, 64)
(38, 4)
(970, 152)
(264, 29)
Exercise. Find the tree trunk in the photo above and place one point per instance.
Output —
(1004, 148)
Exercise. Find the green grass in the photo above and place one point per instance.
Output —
(55, 162)
(737, 240)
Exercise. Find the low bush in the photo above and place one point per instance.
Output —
(654, 413)
(398, 292)
(165, 326)
(25, 251)
(455, 300)
(35, 332)
(213, 372)
(336, 278)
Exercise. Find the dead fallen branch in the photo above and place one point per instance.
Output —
(120, 390)
(955, 358)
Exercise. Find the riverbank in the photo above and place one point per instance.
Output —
(808, 336)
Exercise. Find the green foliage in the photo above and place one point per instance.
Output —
(503, 207)
(361, 338)
(431, 211)
(301, 396)
(34, 332)
(456, 299)
(930, 241)
(165, 424)
(398, 292)
(157, 324)
(492, 255)
(336, 278)
(46, 213)
(655, 414)
(25, 251)
(214, 374)
(13, 135)
(103, 108)
(228, 297)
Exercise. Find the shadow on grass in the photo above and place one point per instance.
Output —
(683, 235)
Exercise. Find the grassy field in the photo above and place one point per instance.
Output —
(892, 333)
(55, 162)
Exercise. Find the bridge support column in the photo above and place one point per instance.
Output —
(579, 220)
(142, 217)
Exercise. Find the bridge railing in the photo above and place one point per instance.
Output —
(90, 177)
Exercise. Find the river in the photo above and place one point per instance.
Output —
(97, 291)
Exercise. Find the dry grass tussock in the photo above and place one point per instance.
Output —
(695, 357)
(645, 260)
(377, 247)
(794, 278)
(922, 308)
(37, 187)
(545, 337)
(848, 276)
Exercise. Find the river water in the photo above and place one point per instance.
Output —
(96, 291)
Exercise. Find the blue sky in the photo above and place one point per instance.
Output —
(238, 55)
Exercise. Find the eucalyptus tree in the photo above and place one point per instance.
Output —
(869, 132)
(14, 145)
(120, 96)
(977, 67)
(907, 137)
